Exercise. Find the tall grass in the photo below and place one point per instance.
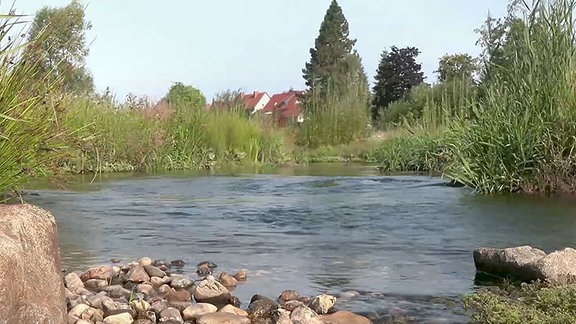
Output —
(521, 137)
(30, 133)
(334, 119)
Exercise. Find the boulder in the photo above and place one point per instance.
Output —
(262, 308)
(73, 282)
(211, 291)
(222, 318)
(288, 295)
(178, 296)
(344, 317)
(171, 315)
(122, 318)
(282, 317)
(137, 274)
(31, 285)
(321, 304)
(510, 262)
(104, 272)
(233, 310)
(154, 271)
(194, 311)
(304, 315)
(558, 267)
(145, 261)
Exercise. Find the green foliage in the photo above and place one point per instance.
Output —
(63, 51)
(397, 73)
(332, 58)
(457, 67)
(534, 303)
(30, 136)
(186, 96)
(522, 135)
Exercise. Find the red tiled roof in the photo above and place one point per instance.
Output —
(252, 99)
(286, 105)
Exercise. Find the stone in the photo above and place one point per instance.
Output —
(171, 314)
(154, 271)
(138, 274)
(234, 301)
(179, 305)
(292, 304)
(97, 301)
(178, 296)
(145, 261)
(194, 311)
(558, 267)
(145, 289)
(122, 318)
(93, 314)
(95, 283)
(349, 294)
(282, 316)
(211, 291)
(164, 289)
(509, 262)
(156, 282)
(76, 312)
(117, 291)
(73, 282)
(158, 306)
(222, 318)
(140, 306)
(241, 275)
(323, 303)
(288, 295)
(122, 308)
(344, 317)
(233, 310)
(205, 268)
(178, 263)
(31, 283)
(227, 280)
(262, 308)
(180, 282)
(81, 321)
(304, 315)
(104, 272)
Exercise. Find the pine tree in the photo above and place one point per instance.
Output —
(397, 73)
(330, 58)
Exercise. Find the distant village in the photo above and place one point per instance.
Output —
(284, 108)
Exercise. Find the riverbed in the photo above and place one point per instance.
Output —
(403, 242)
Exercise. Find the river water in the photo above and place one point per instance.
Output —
(404, 242)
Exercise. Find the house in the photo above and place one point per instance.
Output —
(255, 101)
(285, 107)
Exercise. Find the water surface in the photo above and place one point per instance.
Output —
(405, 242)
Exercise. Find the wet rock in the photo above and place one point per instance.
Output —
(154, 271)
(31, 283)
(344, 317)
(349, 294)
(256, 297)
(558, 267)
(194, 311)
(288, 295)
(115, 260)
(321, 304)
(304, 315)
(73, 282)
(137, 274)
(178, 296)
(233, 310)
(508, 262)
(292, 304)
(227, 280)
(122, 318)
(241, 275)
(262, 308)
(178, 263)
(145, 261)
(205, 268)
(104, 272)
(211, 291)
(171, 315)
(159, 263)
(222, 318)
(95, 283)
(234, 301)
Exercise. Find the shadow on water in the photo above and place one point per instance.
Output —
(404, 242)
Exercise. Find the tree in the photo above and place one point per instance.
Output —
(63, 49)
(185, 95)
(397, 73)
(333, 58)
(457, 66)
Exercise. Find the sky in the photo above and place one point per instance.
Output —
(143, 46)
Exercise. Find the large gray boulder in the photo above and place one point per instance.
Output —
(558, 267)
(510, 262)
(31, 283)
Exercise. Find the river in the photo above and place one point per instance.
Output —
(404, 242)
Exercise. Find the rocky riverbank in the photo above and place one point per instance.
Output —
(151, 291)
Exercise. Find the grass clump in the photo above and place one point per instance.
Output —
(530, 303)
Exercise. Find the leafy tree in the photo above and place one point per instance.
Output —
(63, 50)
(185, 95)
(333, 59)
(457, 66)
(397, 73)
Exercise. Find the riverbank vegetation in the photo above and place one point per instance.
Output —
(502, 122)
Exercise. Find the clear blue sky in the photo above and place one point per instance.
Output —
(142, 46)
